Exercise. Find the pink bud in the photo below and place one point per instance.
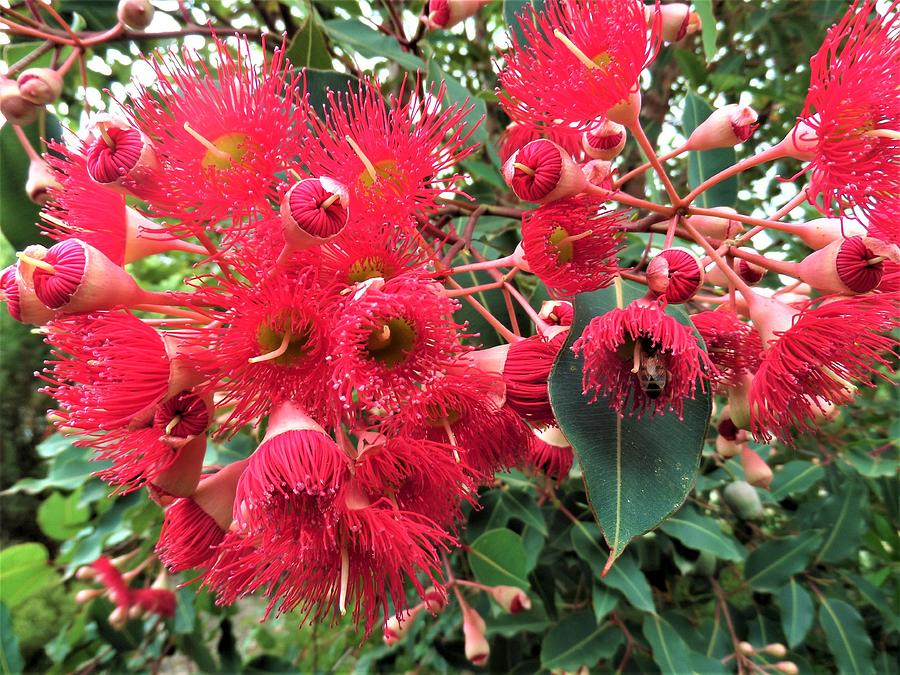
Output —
(675, 273)
(40, 85)
(447, 13)
(820, 232)
(727, 448)
(605, 140)
(751, 273)
(477, 647)
(725, 127)
(756, 471)
(14, 107)
(542, 172)
(135, 14)
(18, 287)
(557, 312)
(599, 173)
(120, 156)
(314, 211)
(86, 595)
(40, 181)
(739, 402)
(802, 141)
(435, 600)
(847, 266)
(396, 627)
(677, 21)
(512, 599)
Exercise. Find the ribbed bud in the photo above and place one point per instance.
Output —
(542, 172)
(605, 140)
(676, 273)
(40, 85)
(314, 211)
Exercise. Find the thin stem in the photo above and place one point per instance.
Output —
(539, 323)
(507, 261)
(26, 144)
(778, 266)
(26, 61)
(628, 200)
(648, 149)
(773, 153)
(798, 199)
(502, 330)
(646, 165)
(712, 253)
(749, 220)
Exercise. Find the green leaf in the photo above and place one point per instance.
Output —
(62, 517)
(512, 9)
(795, 478)
(702, 533)
(578, 641)
(771, 565)
(847, 637)
(877, 598)
(796, 612)
(69, 470)
(842, 516)
(10, 657)
(24, 571)
(534, 620)
(185, 614)
(670, 652)
(708, 31)
(603, 601)
(521, 506)
(705, 164)
(636, 471)
(319, 82)
(308, 48)
(18, 214)
(370, 43)
(498, 558)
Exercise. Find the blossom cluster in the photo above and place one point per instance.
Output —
(323, 320)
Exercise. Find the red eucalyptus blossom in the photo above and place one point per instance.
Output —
(641, 359)
(813, 357)
(551, 453)
(571, 244)
(577, 61)
(850, 127)
(734, 347)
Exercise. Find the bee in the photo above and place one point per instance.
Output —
(650, 368)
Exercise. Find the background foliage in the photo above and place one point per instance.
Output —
(810, 563)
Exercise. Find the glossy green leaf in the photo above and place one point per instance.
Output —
(320, 82)
(771, 565)
(795, 478)
(10, 657)
(24, 571)
(843, 517)
(498, 558)
(636, 471)
(876, 597)
(308, 48)
(797, 612)
(707, 163)
(18, 214)
(370, 43)
(185, 614)
(603, 601)
(702, 533)
(61, 517)
(670, 652)
(578, 641)
(708, 31)
(847, 637)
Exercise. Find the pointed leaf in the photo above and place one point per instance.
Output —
(705, 11)
(10, 658)
(670, 652)
(843, 519)
(847, 637)
(370, 43)
(771, 565)
(24, 571)
(498, 558)
(795, 478)
(796, 612)
(702, 533)
(578, 641)
(636, 471)
(308, 48)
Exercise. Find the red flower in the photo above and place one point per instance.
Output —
(640, 359)
(884, 221)
(393, 157)
(519, 134)
(526, 373)
(221, 135)
(577, 60)
(813, 357)
(110, 368)
(851, 120)
(571, 244)
(268, 344)
(550, 453)
(391, 338)
(734, 346)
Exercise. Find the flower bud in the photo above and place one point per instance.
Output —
(750, 272)
(512, 599)
(40, 181)
(802, 141)
(756, 471)
(676, 274)
(776, 649)
(739, 402)
(477, 647)
(14, 107)
(743, 500)
(314, 211)
(727, 447)
(787, 667)
(676, 19)
(746, 648)
(396, 627)
(120, 156)
(84, 596)
(135, 14)
(447, 13)
(605, 140)
(40, 85)
(719, 228)
(434, 600)
(118, 618)
(598, 172)
(724, 128)
(542, 172)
